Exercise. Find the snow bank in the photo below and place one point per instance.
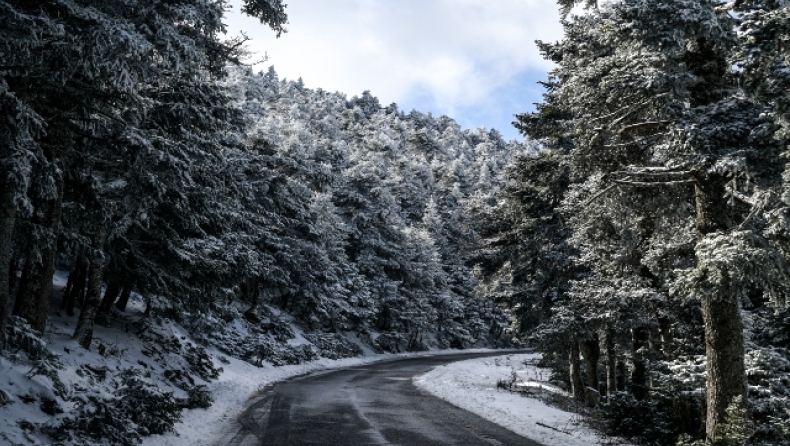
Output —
(472, 385)
(237, 388)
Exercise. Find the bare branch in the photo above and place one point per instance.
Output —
(653, 183)
(642, 126)
(631, 143)
(755, 209)
(596, 196)
(684, 174)
(650, 169)
(742, 197)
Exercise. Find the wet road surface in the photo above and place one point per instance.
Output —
(375, 404)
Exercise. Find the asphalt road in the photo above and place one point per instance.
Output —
(375, 404)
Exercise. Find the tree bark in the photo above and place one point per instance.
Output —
(13, 281)
(110, 295)
(639, 386)
(665, 331)
(84, 331)
(35, 297)
(124, 299)
(621, 375)
(591, 351)
(7, 222)
(574, 371)
(611, 360)
(23, 291)
(724, 344)
(75, 286)
(724, 351)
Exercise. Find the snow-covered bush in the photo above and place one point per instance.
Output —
(334, 345)
(95, 421)
(657, 420)
(389, 342)
(138, 408)
(147, 406)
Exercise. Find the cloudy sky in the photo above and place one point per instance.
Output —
(473, 60)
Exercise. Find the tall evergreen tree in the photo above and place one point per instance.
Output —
(655, 110)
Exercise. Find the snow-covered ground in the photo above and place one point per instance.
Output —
(472, 385)
(237, 387)
(32, 397)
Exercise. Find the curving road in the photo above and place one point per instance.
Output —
(375, 404)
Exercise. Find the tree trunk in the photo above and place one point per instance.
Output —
(84, 331)
(611, 371)
(724, 351)
(23, 291)
(110, 295)
(724, 344)
(591, 351)
(577, 387)
(14, 270)
(75, 286)
(639, 338)
(665, 331)
(34, 301)
(79, 297)
(251, 289)
(621, 375)
(7, 221)
(124, 299)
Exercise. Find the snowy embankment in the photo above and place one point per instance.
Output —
(472, 385)
(144, 376)
(237, 388)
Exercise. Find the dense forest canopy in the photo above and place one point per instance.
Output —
(638, 238)
(652, 237)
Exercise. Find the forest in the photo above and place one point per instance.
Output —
(646, 248)
(638, 237)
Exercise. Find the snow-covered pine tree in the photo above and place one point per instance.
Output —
(655, 110)
(92, 91)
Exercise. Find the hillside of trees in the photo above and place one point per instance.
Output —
(170, 185)
(647, 250)
(638, 238)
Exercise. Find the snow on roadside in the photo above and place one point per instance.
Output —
(237, 387)
(472, 385)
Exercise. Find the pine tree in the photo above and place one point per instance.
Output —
(654, 111)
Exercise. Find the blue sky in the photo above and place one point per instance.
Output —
(473, 60)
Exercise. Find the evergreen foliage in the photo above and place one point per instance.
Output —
(665, 199)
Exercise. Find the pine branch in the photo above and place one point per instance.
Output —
(653, 183)
(642, 126)
(684, 174)
(631, 143)
(596, 196)
(741, 197)
(758, 207)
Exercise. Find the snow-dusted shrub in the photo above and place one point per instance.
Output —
(136, 409)
(656, 420)
(389, 342)
(152, 410)
(200, 362)
(768, 376)
(455, 336)
(21, 337)
(96, 421)
(279, 355)
(334, 345)
(198, 397)
(673, 407)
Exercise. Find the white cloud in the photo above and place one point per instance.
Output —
(458, 52)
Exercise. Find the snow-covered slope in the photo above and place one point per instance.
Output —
(472, 385)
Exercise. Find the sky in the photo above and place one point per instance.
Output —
(473, 60)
